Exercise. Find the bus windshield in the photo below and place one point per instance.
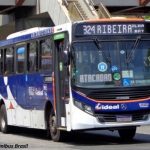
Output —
(114, 63)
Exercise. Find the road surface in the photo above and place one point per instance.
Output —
(20, 138)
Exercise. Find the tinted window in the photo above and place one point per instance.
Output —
(20, 54)
(32, 57)
(9, 60)
(46, 55)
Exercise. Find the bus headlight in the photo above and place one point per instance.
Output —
(84, 107)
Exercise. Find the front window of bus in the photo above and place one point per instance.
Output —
(105, 64)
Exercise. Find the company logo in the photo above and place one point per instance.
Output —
(143, 105)
(123, 106)
(100, 106)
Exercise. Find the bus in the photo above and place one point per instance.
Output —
(86, 75)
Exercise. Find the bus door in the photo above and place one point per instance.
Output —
(60, 78)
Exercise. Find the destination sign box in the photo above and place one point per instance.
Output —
(109, 28)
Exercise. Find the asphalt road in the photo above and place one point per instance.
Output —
(20, 138)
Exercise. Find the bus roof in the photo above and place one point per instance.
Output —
(27, 31)
(29, 35)
(33, 33)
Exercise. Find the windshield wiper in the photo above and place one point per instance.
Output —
(130, 56)
(98, 45)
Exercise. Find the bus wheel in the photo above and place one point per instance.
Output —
(55, 133)
(3, 119)
(127, 134)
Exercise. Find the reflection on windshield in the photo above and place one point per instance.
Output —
(107, 66)
(131, 54)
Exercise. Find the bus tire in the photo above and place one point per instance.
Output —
(55, 133)
(127, 134)
(3, 119)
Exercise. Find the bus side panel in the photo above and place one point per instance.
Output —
(18, 112)
(21, 90)
(38, 91)
(35, 92)
(26, 118)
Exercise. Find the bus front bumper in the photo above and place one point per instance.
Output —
(81, 120)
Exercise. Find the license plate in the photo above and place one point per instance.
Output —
(124, 118)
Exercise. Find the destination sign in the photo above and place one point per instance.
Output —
(110, 28)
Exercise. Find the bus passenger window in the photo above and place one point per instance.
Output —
(9, 61)
(32, 57)
(46, 55)
(20, 59)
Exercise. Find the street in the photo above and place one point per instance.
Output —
(21, 138)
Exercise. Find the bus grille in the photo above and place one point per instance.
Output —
(113, 117)
(120, 93)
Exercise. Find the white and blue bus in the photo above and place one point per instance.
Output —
(86, 75)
